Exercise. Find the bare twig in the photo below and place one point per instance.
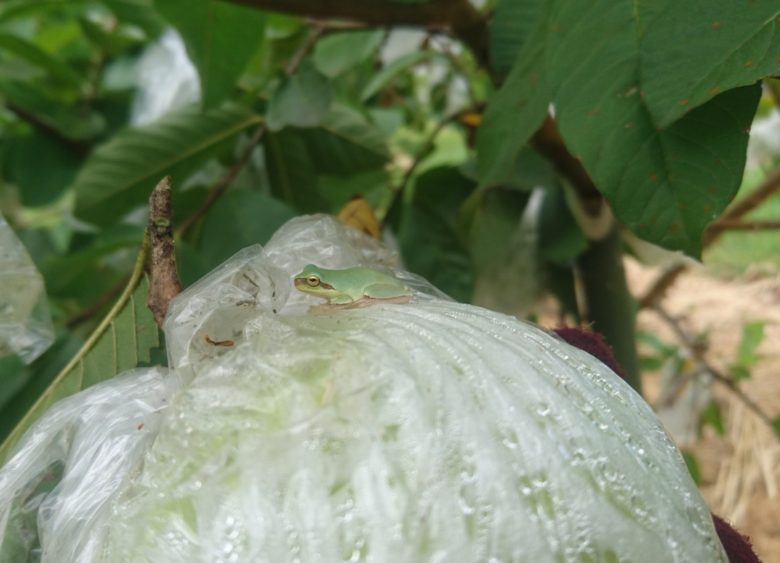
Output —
(164, 283)
(737, 225)
(697, 352)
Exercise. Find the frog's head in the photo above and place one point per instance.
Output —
(312, 280)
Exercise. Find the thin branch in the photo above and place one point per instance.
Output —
(164, 284)
(737, 225)
(697, 353)
(459, 16)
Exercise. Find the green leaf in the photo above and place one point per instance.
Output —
(49, 63)
(221, 38)
(123, 340)
(726, 44)
(41, 167)
(241, 218)
(345, 143)
(339, 52)
(291, 172)
(513, 113)
(664, 184)
(511, 25)
(752, 336)
(427, 232)
(121, 173)
(389, 72)
(302, 100)
(71, 122)
(711, 416)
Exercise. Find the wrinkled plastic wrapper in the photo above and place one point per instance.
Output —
(429, 431)
(25, 324)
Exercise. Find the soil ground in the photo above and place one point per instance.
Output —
(740, 471)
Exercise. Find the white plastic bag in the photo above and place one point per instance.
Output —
(427, 431)
(25, 324)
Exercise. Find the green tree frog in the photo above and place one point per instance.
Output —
(352, 287)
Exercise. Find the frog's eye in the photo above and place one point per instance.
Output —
(313, 281)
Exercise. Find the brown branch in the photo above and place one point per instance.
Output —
(737, 225)
(697, 352)
(548, 142)
(164, 283)
(458, 16)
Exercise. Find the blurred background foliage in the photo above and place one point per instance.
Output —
(513, 152)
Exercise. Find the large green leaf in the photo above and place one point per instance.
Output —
(121, 173)
(513, 113)
(664, 184)
(123, 341)
(221, 38)
(693, 50)
(510, 27)
(345, 144)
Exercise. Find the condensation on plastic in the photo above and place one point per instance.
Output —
(25, 324)
(430, 431)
